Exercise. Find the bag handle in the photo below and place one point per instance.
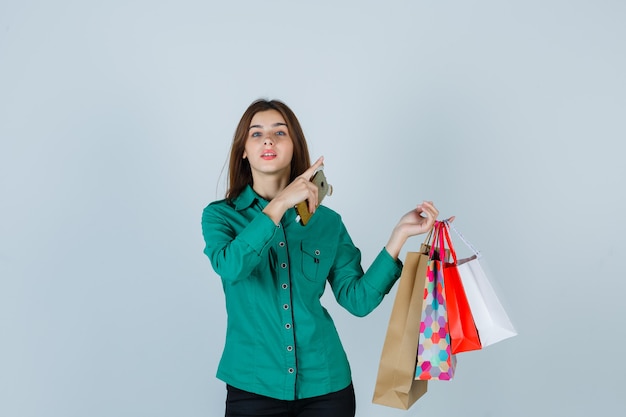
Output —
(429, 236)
(433, 234)
(445, 232)
(469, 245)
(439, 242)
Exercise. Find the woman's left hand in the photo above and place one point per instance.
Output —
(415, 222)
(419, 220)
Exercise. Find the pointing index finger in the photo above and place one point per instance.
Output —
(309, 172)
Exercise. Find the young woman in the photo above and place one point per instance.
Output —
(283, 356)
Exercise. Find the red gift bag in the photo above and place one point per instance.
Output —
(464, 336)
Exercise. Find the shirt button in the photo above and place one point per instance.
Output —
(283, 265)
(285, 286)
(287, 326)
(286, 306)
(281, 244)
(317, 251)
(291, 371)
(289, 348)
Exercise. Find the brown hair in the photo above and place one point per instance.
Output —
(239, 173)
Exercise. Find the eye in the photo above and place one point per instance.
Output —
(255, 134)
(281, 133)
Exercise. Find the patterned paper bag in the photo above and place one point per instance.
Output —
(434, 355)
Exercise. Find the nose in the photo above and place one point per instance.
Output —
(268, 140)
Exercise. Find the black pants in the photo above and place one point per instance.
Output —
(241, 403)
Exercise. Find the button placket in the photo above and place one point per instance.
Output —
(285, 303)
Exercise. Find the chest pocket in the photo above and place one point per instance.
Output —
(316, 261)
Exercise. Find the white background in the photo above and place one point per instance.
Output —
(115, 123)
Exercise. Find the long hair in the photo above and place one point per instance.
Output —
(239, 172)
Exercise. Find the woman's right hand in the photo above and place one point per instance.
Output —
(299, 190)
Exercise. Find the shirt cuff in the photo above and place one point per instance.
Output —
(259, 232)
(384, 272)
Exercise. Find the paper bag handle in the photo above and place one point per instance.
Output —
(445, 232)
(469, 245)
(439, 243)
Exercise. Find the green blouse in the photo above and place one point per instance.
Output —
(280, 341)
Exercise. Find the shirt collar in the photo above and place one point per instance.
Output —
(248, 197)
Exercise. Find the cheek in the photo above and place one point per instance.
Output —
(244, 154)
(289, 146)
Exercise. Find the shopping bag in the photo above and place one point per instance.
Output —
(434, 355)
(464, 336)
(395, 383)
(490, 317)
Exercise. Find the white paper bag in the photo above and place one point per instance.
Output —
(491, 320)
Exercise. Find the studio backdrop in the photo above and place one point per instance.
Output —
(115, 126)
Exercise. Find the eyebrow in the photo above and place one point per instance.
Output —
(274, 125)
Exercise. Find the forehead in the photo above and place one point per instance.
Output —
(267, 118)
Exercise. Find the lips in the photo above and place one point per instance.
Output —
(268, 155)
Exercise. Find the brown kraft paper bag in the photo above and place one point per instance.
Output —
(396, 385)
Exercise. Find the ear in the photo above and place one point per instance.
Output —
(245, 155)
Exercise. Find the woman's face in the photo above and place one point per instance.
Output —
(269, 148)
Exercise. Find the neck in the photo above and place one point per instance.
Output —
(269, 186)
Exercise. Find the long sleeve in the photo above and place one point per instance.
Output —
(359, 292)
(234, 255)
